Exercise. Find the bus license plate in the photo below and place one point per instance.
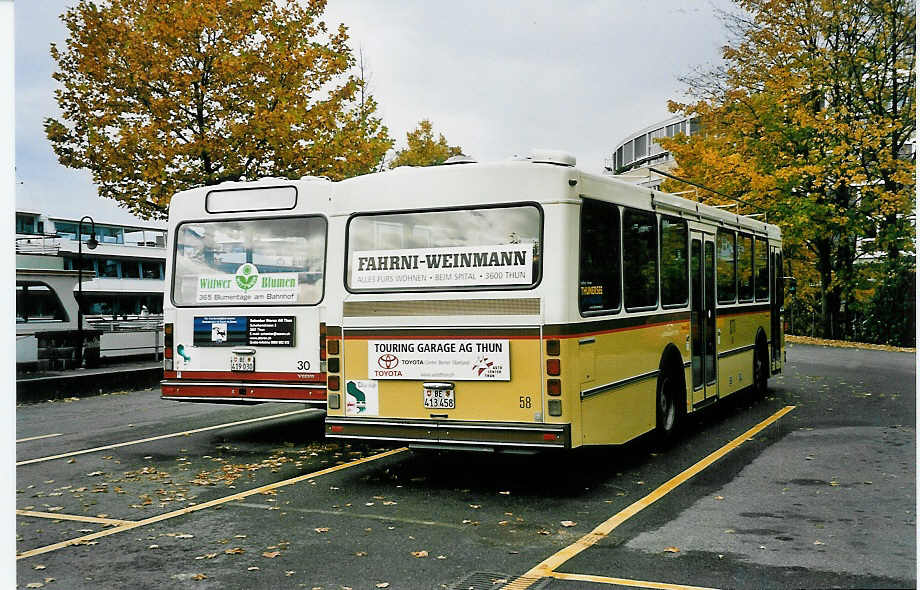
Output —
(243, 363)
(439, 399)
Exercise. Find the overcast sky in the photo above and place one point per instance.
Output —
(496, 78)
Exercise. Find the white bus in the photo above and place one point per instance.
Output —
(527, 305)
(245, 290)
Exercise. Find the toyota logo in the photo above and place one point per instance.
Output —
(387, 361)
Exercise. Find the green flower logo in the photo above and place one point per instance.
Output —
(246, 276)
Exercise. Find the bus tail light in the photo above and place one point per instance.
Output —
(332, 346)
(555, 407)
(322, 341)
(168, 341)
(337, 428)
(548, 436)
(553, 367)
(333, 383)
(554, 387)
(334, 401)
(552, 347)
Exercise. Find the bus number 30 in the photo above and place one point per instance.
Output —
(303, 365)
(524, 401)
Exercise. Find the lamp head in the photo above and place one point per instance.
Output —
(92, 242)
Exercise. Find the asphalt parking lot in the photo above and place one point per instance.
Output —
(813, 486)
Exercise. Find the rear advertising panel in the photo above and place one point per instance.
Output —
(439, 377)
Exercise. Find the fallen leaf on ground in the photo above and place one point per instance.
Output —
(419, 554)
(819, 543)
(322, 529)
(271, 554)
(252, 568)
(504, 493)
(38, 567)
(235, 551)
(720, 497)
(382, 585)
(671, 550)
(361, 553)
(568, 523)
(199, 577)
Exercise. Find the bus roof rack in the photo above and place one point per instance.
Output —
(460, 159)
(557, 157)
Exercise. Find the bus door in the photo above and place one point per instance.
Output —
(776, 309)
(703, 316)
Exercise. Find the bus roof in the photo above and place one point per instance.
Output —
(515, 181)
(265, 197)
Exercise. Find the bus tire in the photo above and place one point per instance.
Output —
(761, 368)
(667, 410)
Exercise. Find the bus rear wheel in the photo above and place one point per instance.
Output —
(667, 412)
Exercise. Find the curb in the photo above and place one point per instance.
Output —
(41, 389)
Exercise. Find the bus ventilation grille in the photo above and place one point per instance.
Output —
(442, 307)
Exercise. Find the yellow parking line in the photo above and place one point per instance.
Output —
(56, 516)
(19, 440)
(162, 436)
(625, 582)
(549, 565)
(197, 507)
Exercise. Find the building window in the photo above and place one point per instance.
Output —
(108, 268)
(130, 269)
(25, 224)
(151, 269)
(37, 302)
(641, 146)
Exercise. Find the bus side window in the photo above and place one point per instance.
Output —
(725, 266)
(745, 267)
(761, 271)
(640, 259)
(599, 258)
(673, 261)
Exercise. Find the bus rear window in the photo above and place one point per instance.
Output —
(250, 262)
(482, 248)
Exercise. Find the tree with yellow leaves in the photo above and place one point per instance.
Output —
(422, 149)
(810, 116)
(159, 96)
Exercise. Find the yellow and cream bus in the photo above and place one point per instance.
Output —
(245, 290)
(527, 305)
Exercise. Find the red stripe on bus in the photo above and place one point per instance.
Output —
(255, 393)
(260, 376)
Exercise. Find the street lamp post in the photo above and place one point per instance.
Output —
(91, 243)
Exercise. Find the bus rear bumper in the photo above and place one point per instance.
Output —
(454, 434)
(242, 392)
